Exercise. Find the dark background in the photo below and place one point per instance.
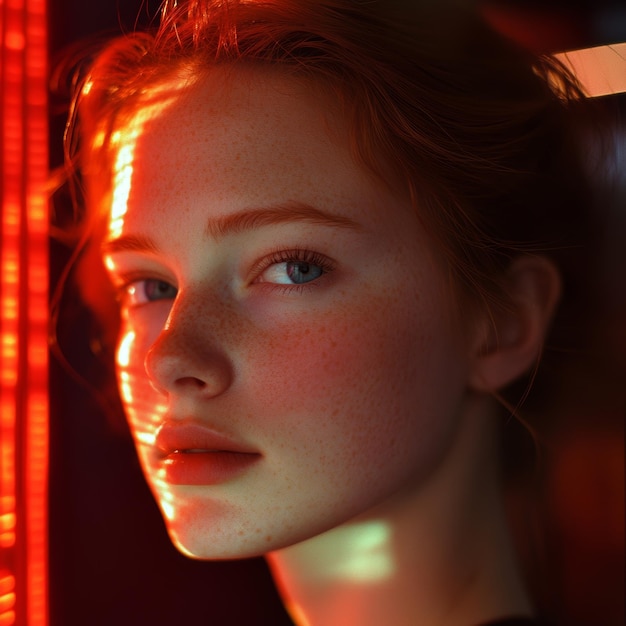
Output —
(111, 563)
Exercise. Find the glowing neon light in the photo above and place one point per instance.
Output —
(23, 308)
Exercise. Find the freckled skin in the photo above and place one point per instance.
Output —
(351, 388)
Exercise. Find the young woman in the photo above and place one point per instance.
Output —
(338, 230)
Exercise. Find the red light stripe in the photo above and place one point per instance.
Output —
(23, 308)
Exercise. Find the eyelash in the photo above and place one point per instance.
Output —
(280, 255)
(302, 255)
(127, 280)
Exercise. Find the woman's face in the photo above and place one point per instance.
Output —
(289, 355)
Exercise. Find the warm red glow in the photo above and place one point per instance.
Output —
(7, 600)
(23, 307)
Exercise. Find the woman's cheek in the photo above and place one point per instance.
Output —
(142, 403)
(378, 377)
(346, 379)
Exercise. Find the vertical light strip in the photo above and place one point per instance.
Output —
(36, 122)
(12, 169)
(37, 355)
(23, 308)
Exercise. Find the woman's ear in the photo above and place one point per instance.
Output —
(511, 338)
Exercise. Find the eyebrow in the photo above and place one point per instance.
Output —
(291, 212)
(248, 219)
(128, 243)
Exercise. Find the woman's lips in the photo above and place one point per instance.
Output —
(193, 454)
(205, 468)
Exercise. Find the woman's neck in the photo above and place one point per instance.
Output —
(435, 555)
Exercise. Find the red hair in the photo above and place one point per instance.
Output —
(474, 129)
(468, 124)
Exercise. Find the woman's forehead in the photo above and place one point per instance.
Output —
(241, 140)
(220, 89)
(249, 112)
(238, 117)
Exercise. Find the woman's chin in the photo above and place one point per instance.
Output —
(212, 531)
(218, 530)
(213, 544)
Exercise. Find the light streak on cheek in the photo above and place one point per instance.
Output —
(155, 473)
(126, 390)
(123, 361)
(136, 391)
(143, 405)
(124, 349)
(144, 409)
(165, 497)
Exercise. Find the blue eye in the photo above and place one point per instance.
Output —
(150, 290)
(294, 267)
(292, 273)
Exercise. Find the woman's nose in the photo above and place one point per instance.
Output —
(188, 357)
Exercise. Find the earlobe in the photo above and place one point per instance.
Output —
(511, 339)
